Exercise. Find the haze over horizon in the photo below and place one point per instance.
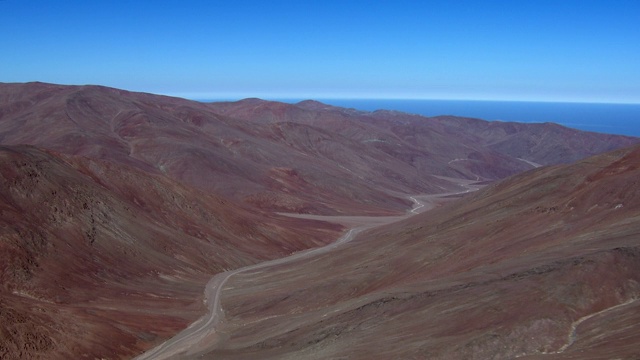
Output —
(570, 51)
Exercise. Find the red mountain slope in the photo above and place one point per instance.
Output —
(547, 262)
(441, 136)
(101, 259)
(112, 225)
(307, 157)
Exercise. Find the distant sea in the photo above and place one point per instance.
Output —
(622, 119)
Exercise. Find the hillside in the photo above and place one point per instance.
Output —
(542, 265)
(308, 157)
(118, 207)
(99, 258)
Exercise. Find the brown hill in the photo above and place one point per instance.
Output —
(543, 265)
(484, 142)
(308, 157)
(129, 202)
(192, 144)
(100, 259)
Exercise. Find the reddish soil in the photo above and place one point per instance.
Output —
(502, 273)
(103, 260)
(307, 157)
(117, 207)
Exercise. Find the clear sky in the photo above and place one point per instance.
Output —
(560, 50)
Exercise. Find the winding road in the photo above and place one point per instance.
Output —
(199, 336)
(571, 338)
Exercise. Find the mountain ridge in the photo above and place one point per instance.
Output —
(233, 148)
(118, 206)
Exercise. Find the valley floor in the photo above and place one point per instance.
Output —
(200, 337)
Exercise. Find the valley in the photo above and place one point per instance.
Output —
(506, 273)
(201, 335)
(302, 231)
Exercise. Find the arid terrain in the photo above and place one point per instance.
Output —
(543, 265)
(305, 158)
(117, 209)
(98, 258)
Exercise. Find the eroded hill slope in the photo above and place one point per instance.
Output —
(101, 259)
(130, 202)
(545, 264)
(306, 157)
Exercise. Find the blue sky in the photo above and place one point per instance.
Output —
(558, 50)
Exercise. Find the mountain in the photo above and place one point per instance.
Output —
(543, 143)
(97, 256)
(118, 207)
(542, 265)
(306, 157)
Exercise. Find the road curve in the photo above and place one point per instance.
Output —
(202, 333)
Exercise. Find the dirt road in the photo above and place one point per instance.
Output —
(201, 334)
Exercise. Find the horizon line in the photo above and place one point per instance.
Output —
(231, 96)
(321, 98)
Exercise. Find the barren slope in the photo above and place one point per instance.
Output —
(131, 201)
(442, 145)
(547, 262)
(192, 144)
(307, 157)
(101, 259)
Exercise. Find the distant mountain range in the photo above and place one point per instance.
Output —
(307, 157)
(117, 207)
